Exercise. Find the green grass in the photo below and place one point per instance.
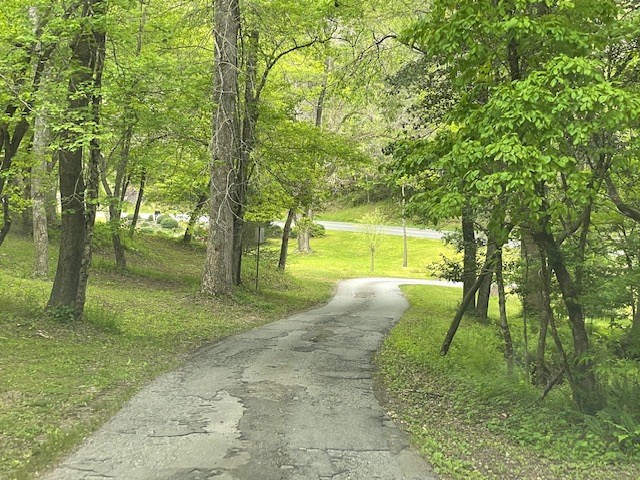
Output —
(59, 381)
(345, 212)
(474, 419)
(346, 255)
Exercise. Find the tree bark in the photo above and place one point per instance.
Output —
(304, 233)
(487, 270)
(504, 323)
(249, 121)
(585, 390)
(484, 292)
(67, 282)
(470, 254)
(286, 232)
(27, 213)
(39, 175)
(136, 211)
(95, 156)
(193, 218)
(218, 272)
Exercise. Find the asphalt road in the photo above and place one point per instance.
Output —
(293, 399)
(387, 230)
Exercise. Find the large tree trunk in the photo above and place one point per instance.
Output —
(39, 176)
(585, 390)
(470, 254)
(67, 286)
(286, 232)
(218, 271)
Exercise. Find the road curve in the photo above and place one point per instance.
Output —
(293, 399)
(384, 229)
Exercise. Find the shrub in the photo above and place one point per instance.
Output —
(169, 223)
(315, 230)
(161, 218)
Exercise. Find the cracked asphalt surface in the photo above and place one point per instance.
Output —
(293, 399)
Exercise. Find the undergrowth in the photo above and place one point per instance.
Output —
(475, 419)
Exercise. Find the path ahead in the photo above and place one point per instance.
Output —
(290, 400)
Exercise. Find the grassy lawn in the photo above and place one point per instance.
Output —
(59, 381)
(346, 255)
(341, 212)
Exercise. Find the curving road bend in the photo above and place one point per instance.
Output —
(293, 399)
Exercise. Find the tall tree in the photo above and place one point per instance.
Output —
(75, 136)
(218, 271)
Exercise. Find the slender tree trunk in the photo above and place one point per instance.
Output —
(545, 313)
(487, 270)
(484, 292)
(286, 232)
(27, 213)
(470, 254)
(218, 272)
(38, 179)
(586, 392)
(51, 192)
(115, 200)
(136, 211)
(249, 121)
(405, 248)
(504, 323)
(193, 218)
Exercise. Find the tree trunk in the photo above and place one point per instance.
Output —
(39, 176)
(136, 211)
(487, 270)
(67, 291)
(51, 192)
(484, 292)
(115, 200)
(504, 323)
(6, 218)
(470, 254)
(585, 389)
(286, 231)
(304, 233)
(249, 121)
(27, 213)
(218, 271)
(193, 218)
(95, 157)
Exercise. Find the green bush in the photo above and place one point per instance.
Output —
(315, 230)
(169, 223)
